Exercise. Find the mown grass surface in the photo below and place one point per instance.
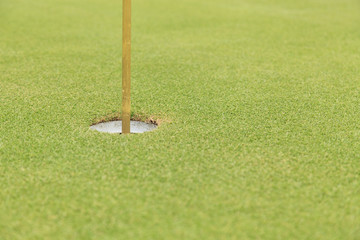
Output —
(261, 139)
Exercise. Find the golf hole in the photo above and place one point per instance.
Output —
(116, 126)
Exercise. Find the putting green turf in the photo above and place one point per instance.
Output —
(259, 101)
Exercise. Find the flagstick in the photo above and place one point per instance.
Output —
(126, 65)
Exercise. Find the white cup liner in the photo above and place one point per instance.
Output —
(115, 127)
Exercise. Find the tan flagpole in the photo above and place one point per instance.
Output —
(126, 66)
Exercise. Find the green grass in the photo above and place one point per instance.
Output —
(261, 138)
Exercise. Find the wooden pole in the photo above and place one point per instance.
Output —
(126, 66)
